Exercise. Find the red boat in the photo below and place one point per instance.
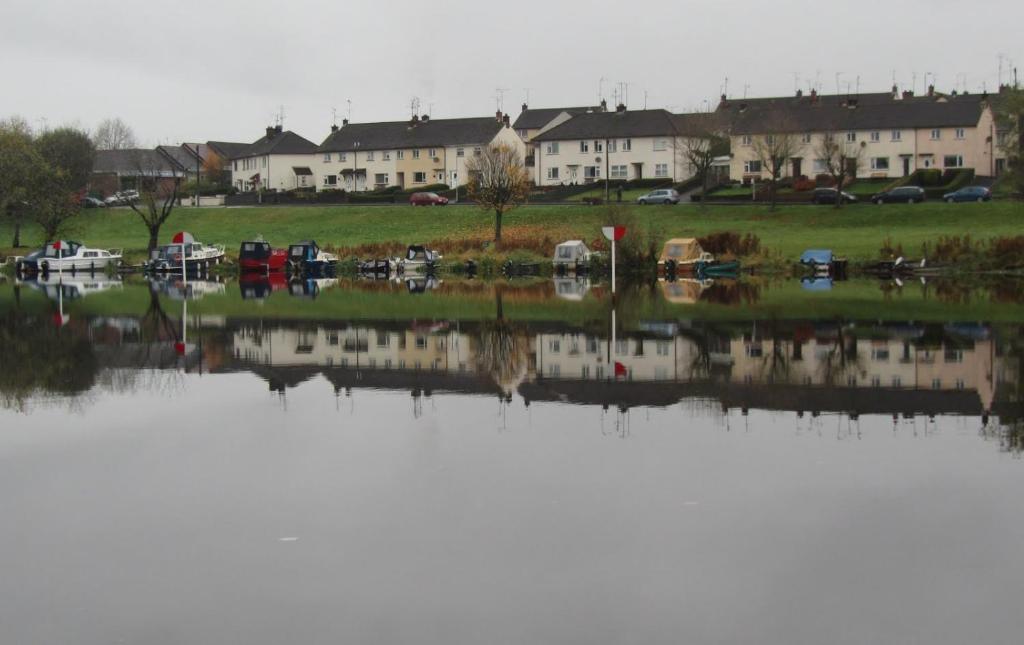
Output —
(258, 256)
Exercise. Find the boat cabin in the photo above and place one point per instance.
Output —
(418, 253)
(571, 253)
(683, 250)
(257, 250)
(304, 251)
(61, 249)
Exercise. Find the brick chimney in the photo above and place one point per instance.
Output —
(908, 94)
(497, 116)
(507, 121)
(344, 122)
(799, 93)
(334, 127)
(271, 131)
(814, 96)
(621, 107)
(604, 105)
(524, 107)
(425, 118)
(931, 90)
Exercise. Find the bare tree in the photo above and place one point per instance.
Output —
(498, 182)
(699, 141)
(841, 158)
(158, 186)
(774, 151)
(114, 134)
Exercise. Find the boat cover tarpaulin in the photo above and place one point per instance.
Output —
(681, 249)
(816, 256)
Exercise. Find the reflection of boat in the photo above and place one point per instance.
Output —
(198, 257)
(309, 287)
(572, 288)
(817, 283)
(72, 288)
(421, 284)
(822, 262)
(64, 255)
(176, 289)
(684, 256)
(572, 256)
(685, 291)
(258, 255)
(257, 286)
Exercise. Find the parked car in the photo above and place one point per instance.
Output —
(428, 199)
(91, 202)
(903, 194)
(828, 196)
(122, 198)
(969, 194)
(660, 196)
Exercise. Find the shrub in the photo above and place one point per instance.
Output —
(729, 243)
(430, 188)
(804, 184)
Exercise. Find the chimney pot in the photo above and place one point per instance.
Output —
(931, 90)
(621, 107)
(344, 122)
(497, 116)
(799, 93)
(334, 127)
(278, 128)
(507, 121)
(425, 118)
(524, 107)
(604, 105)
(270, 132)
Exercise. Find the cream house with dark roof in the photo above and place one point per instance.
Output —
(280, 160)
(896, 133)
(407, 154)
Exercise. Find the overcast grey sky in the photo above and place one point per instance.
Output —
(220, 69)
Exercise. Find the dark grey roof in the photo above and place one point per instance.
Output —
(184, 157)
(802, 114)
(533, 118)
(229, 149)
(396, 135)
(598, 125)
(279, 143)
(134, 162)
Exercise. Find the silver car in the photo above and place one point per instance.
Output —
(660, 196)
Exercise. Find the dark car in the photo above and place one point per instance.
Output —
(969, 194)
(428, 199)
(828, 196)
(91, 202)
(901, 195)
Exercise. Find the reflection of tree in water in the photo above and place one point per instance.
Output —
(504, 350)
(842, 357)
(775, 365)
(40, 358)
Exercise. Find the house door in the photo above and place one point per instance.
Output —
(1000, 166)
(798, 167)
(638, 171)
(400, 180)
(906, 166)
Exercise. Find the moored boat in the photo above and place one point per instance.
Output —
(198, 257)
(258, 255)
(572, 256)
(307, 257)
(822, 262)
(67, 256)
(685, 256)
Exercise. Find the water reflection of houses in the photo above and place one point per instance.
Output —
(805, 368)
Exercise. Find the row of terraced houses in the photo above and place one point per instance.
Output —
(897, 133)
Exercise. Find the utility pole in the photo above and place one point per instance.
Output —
(607, 187)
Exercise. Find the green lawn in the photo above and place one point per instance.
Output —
(855, 231)
(629, 195)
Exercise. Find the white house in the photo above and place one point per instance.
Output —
(280, 160)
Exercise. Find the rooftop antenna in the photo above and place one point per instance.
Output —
(817, 80)
(499, 97)
(746, 87)
(600, 90)
(334, 116)
(527, 95)
(280, 118)
(858, 85)
(349, 101)
(430, 110)
(1001, 56)
(725, 87)
(913, 82)
(645, 99)
(894, 76)
(838, 88)
(414, 106)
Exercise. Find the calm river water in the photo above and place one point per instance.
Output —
(482, 464)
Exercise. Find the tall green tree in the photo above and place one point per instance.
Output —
(1009, 107)
(70, 152)
(21, 167)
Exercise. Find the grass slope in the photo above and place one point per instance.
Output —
(855, 231)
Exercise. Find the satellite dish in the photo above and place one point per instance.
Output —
(597, 159)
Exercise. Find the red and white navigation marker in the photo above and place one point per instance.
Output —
(183, 238)
(613, 234)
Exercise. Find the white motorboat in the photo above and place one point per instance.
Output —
(198, 256)
(64, 256)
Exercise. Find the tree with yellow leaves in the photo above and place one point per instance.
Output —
(498, 182)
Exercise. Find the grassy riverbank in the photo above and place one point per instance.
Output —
(857, 232)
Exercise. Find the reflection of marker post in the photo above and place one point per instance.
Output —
(613, 234)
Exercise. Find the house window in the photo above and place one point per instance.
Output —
(327, 157)
(236, 166)
(553, 172)
(400, 154)
(876, 137)
(880, 163)
(591, 172)
(897, 135)
(611, 145)
(476, 151)
(770, 139)
(584, 146)
(806, 138)
(433, 153)
(330, 180)
(419, 177)
(752, 166)
(953, 161)
(959, 133)
(660, 144)
(553, 148)
(619, 172)
(851, 137)
(342, 156)
(461, 152)
(598, 146)
(820, 166)
(746, 140)
(369, 156)
(415, 154)
(627, 145)
(661, 170)
(386, 155)
(936, 134)
(264, 162)
(381, 179)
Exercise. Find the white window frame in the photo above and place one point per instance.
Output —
(748, 166)
(612, 146)
(553, 173)
(584, 147)
(897, 135)
(342, 156)
(619, 171)
(876, 136)
(959, 161)
(460, 152)
(806, 138)
(851, 137)
(386, 155)
(416, 153)
(327, 157)
(746, 140)
(660, 144)
(627, 145)
(432, 153)
(661, 170)
(936, 134)
(598, 146)
(960, 134)
(400, 154)
(875, 165)
(369, 155)
(419, 177)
